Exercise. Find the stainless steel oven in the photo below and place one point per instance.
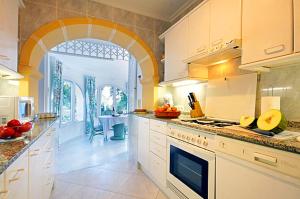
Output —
(191, 169)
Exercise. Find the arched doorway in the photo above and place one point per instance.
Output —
(58, 31)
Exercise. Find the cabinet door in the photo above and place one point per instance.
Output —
(198, 35)
(143, 143)
(297, 25)
(3, 191)
(176, 51)
(9, 33)
(236, 179)
(225, 22)
(16, 178)
(267, 29)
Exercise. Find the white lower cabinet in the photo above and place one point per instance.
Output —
(250, 171)
(158, 169)
(3, 191)
(16, 178)
(143, 143)
(236, 179)
(31, 176)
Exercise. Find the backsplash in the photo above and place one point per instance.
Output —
(283, 82)
(9, 87)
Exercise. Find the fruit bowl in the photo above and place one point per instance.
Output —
(166, 114)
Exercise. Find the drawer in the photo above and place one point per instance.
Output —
(158, 126)
(158, 169)
(158, 150)
(158, 138)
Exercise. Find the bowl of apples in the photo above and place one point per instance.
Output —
(14, 130)
(166, 111)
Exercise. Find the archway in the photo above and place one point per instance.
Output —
(58, 31)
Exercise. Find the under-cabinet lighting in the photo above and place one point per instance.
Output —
(220, 62)
(277, 88)
(185, 82)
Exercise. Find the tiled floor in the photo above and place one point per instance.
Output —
(113, 177)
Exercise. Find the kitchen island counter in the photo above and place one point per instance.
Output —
(10, 151)
(289, 145)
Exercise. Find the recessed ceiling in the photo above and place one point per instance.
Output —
(166, 10)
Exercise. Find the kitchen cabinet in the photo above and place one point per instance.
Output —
(270, 173)
(2, 188)
(176, 51)
(9, 33)
(143, 143)
(267, 29)
(236, 179)
(225, 22)
(297, 25)
(41, 162)
(199, 30)
(16, 178)
(158, 152)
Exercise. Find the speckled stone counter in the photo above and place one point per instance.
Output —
(9, 152)
(289, 145)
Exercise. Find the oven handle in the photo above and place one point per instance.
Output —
(190, 148)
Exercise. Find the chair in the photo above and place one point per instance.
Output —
(119, 132)
(95, 130)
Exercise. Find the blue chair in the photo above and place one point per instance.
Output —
(95, 130)
(119, 132)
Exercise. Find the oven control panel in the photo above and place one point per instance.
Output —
(196, 137)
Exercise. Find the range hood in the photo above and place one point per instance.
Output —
(219, 54)
(194, 74)
(6, 73)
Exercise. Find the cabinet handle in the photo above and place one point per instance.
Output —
(199, 50)
(4, 57)
(3, 192)
(266, 159)
(275, 49)
(16, 176)
(217, 42)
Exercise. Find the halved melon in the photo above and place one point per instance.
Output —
(248, 122)
(272, 120)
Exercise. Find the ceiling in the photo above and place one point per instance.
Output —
(166, 10)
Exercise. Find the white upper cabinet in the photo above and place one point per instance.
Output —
(267, 29)
(297, 25)
(225, 22)
(176, 51)
(198, 36)
(9, 33)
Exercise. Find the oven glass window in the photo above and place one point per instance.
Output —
(189, 169)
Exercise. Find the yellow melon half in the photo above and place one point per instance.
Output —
(248, 121)
(272, 120)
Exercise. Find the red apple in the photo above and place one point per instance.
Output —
(13, 123)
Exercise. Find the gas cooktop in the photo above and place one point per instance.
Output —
(211, 122)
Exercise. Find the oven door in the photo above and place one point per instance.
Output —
(191, 170)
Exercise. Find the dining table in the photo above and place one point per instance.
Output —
(108, 121)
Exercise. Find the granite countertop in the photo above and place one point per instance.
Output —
(10, 151)
(289, 145)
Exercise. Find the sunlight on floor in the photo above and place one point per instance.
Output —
(100, 170)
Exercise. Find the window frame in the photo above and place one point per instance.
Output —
(73, 105)
(114, 96)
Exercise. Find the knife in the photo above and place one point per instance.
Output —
(191, 103)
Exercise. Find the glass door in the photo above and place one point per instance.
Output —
(190, 170)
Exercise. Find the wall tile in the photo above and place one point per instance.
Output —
(144, 22)
(79, 6)
(123, 16)
(62, 14)
(47, 2)
(33, 16)
(99, 10)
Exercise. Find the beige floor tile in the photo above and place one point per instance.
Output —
(161, 195)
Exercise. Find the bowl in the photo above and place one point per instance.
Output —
(167, 114)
